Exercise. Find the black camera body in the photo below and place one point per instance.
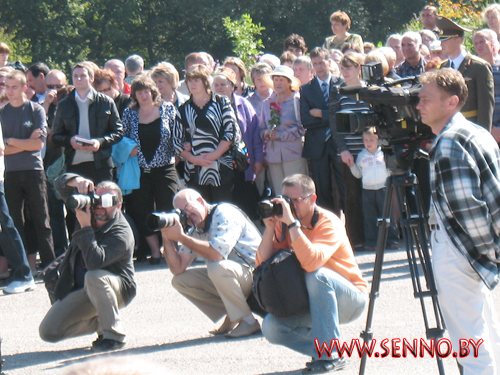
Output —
(82, 201)
(266, 208)
(156, 221)
(391, 110)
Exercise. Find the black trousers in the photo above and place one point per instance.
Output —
(327, 177)
(157, 190)
(214, 194)
(353, 208)
(31, 187)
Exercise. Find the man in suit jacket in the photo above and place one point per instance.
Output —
(319, 147)
(477, 73)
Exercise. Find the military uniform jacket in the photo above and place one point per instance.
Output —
(479, 79)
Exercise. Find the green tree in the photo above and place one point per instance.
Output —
(244, 33)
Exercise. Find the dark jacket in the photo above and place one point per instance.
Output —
(110, 247)
(312, 97)
(104, 123)
(481, 99)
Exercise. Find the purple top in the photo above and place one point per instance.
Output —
(249, 125)
(256, 99)
(288, 145)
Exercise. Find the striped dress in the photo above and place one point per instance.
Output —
(205, 128)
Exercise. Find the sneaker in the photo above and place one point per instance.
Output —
(19, 286)
(104, 345)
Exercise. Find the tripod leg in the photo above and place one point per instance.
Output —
(415, 234)
(367, 334)
(415, 237)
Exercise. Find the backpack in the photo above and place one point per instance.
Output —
(279, 285)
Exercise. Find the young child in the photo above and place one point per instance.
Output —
(370, 167)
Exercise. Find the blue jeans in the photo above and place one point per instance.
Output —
(333, 301)
(11, 243)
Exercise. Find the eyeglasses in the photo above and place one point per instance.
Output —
(55, 87)
(300, 199)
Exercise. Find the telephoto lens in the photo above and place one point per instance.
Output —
(159, 220)
(78, 201)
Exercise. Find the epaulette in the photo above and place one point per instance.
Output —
(444, 64)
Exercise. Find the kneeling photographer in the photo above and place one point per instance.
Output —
(97, 273)
(337, 291)
(227, 240)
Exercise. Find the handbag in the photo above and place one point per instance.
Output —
(279, 285)
(241, 159)
(51, 275)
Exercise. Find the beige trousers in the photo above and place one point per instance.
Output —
(95, 308)
(284, 169)
(219, 289)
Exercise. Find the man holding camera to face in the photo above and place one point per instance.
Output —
(337, 291)
(97, 273)
(227, 239)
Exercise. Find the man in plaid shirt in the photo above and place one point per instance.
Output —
(465, 185)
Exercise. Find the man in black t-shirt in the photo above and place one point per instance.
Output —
(24, 130)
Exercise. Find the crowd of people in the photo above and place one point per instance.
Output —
(138, 141)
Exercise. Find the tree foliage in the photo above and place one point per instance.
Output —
(61, 32)
(243, 33)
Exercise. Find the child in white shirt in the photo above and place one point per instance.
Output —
(370, 167)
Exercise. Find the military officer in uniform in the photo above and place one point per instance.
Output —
(477, 73)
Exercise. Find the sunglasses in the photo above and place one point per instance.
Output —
(55, 87)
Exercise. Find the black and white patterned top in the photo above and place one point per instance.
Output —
(170, 129)
(205, 128)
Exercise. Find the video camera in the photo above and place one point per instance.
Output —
(391, 110)
(82, 201)
(159, 220)
(266, 208)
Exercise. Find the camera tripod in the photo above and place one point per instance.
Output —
(415, 230)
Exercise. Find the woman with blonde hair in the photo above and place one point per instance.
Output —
(281, 127)
(491, 15)
(166, 78)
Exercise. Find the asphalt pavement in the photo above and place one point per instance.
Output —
(167, 332)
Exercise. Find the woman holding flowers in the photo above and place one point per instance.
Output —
(281, 128)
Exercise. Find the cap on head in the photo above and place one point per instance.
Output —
(449, 29)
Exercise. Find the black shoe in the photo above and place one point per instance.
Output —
(322, 367)
(99, 338)
(104, 345)
(154, 261)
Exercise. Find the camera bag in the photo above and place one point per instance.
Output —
(279, 285)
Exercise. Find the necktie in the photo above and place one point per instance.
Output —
(324, 89)
(452, 65)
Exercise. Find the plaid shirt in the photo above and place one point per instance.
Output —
(406, 70)
(465, 185)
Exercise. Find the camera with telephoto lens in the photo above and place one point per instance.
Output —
(266, 208)
(390, 107)
(82, 201)
(159, 220)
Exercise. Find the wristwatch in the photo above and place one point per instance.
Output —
(296, 223)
